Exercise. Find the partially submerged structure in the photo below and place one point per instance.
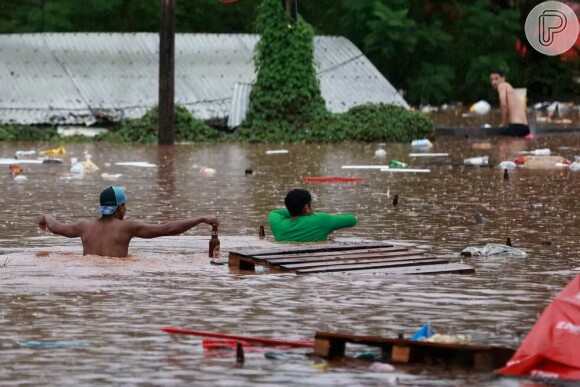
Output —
(86, 78)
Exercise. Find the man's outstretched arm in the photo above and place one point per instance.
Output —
(145, 230)
(71, 230)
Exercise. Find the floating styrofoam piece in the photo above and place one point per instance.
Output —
(110, 176)
(276, 152)
(142, 164)
(364, 166)
(409, 170)
(17, 161)
(421, 143)
(207, 171)
(20, 178)
(429, 154)
(575, 166)
(381, 367)
(380, 153)
(78, 168)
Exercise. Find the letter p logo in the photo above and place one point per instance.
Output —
(552, 28)
(551, 22)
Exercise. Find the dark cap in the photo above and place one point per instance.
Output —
(110, 199)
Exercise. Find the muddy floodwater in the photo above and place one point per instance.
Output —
(99, 319)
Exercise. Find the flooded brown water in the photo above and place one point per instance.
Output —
(110, 311)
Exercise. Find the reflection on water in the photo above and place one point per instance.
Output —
(118, 306)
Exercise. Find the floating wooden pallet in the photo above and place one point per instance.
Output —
(478, 357)
(381, 257)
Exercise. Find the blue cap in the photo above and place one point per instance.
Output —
(110, 199)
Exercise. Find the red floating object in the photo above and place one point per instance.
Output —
(332, 179)
(247, 339)
(551, 348)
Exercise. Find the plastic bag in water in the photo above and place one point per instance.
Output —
(494, 250)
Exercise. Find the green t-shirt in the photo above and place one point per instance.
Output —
(308, 228)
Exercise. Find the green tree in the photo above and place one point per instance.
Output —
(287, 91)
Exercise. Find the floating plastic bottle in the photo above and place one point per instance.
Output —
(397, 164)
(538, 152)
(483, 160)
(25, 154)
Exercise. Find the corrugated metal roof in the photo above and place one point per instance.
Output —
(239, 105)
(79, 78)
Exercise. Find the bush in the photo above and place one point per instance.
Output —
(144, 130)
(379, 122)
(287, 90)
(27, 133)
(365, 123)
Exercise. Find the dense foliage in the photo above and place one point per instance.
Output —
(434, 50)
(365, 123)
(287, 91)
(144, 130)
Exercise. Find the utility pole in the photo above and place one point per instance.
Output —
(166, 73)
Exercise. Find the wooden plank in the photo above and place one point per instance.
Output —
(329, 348)
(233, 260)
(366, 266)
(333, 253)
(307, 264)
(394, 254)
(306, 248)
(478, 356)
(356, 265)
(370, 340)
(450, 268)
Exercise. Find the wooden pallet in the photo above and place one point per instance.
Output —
(478, 357)
(380, 257)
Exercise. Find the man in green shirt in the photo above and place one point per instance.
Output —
(298, 223)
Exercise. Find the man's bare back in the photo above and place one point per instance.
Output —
(512, 103)
(512, 107)
(105, 237)
(110, 235)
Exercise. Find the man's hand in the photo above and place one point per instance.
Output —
(42, 223)
(211, 220)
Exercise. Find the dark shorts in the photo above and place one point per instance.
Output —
(516, 130)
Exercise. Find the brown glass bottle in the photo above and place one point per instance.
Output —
(214, 244)
(262, 232)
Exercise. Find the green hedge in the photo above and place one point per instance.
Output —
(144, 130)
(27, 133)
(365, 123)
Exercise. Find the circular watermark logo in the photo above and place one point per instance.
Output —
(552, 28)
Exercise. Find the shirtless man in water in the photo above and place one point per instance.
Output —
(110, 235)
(513, 115)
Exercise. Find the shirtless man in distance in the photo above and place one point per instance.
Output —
(110, 235)
(513, 115)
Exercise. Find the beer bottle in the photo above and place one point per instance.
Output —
(262, 232)
(214, 244)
